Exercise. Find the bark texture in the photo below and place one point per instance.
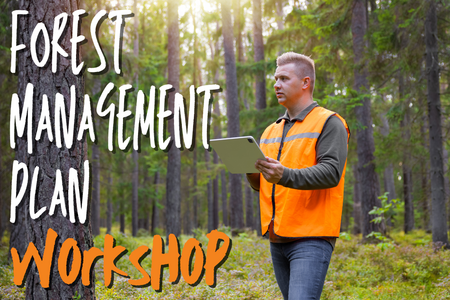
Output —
(249, 219)
(135, 154)
(224, 196)
(194, 188)
(237, 214)
(155, 209)
(109, 206)
(388, 176)
(95, 202)
(134, 194)
(209, 193)
(438, 211)
(47, 156)
(280, 21)
(407, 173)
(357, 215)
(364, 135)
(173, 179)
(258, 47)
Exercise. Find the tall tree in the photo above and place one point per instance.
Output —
(195, 152)
(135, 154)
(438, 211)
(155, 209)
(173, 179)
(249, 219)
(389, 184)
(95, 202)
(364, 135)
(407, 173)
(109, 206)
(258, 48)
(209, 193)
(218, 135)
(46, 155)
(280, 21)
(357, 215)
(236, 213)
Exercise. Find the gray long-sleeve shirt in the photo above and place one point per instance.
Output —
(331, 154)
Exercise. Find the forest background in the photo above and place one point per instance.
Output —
(382, 65)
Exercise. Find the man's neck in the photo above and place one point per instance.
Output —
(294, 111)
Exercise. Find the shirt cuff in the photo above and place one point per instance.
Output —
(286, 175)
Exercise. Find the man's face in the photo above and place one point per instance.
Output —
(288, 87)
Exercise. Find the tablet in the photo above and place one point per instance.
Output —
(239, 154)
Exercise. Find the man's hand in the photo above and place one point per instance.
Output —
(271, 169)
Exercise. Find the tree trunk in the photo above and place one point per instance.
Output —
(155, 210)
(257, 222)
(122, 220)
(95, 204)
(194, 187)
(238, 29)
(224, 197)
(109, 207)
(445, 167)
(216, 198)
(148, 203)
(364, 137)
(425, 163)
(258, 47)
(389, 184)
(438, 211)
(134, 197)
(47, 156)
(446, 184)
(280, 21)
(2, 202)
(407, 173)
(135, 154)
(217, 134)
(357, 213)
(237, 215)
(249, 220)
(209, 195)
(239, 48)
(173, 179)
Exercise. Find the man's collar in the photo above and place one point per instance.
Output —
(301, 116)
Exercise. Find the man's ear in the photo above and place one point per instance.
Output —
(306, 83)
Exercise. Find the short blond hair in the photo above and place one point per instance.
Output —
(304, 64)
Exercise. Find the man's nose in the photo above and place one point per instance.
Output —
(277, 84)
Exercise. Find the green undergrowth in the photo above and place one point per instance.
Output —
(411, 269)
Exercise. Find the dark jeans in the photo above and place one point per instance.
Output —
(301, 266)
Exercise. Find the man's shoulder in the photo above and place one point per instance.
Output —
(270, 128)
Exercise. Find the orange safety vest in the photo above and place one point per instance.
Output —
(300, 213)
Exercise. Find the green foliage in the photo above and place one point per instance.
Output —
(387, 209)
(408, 270)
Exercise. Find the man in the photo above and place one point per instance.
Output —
(302, 182)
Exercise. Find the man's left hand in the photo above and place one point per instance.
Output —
(271, 169)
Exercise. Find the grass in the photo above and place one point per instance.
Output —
(412, 269)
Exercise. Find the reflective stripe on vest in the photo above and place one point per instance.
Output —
(300, 213)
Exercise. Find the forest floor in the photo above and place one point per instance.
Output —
(406, 268)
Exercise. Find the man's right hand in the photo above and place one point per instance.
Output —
(271, 169)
